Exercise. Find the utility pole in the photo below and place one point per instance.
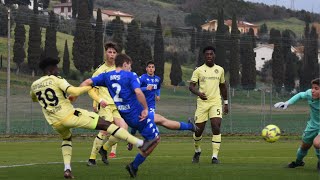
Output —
(8, 79)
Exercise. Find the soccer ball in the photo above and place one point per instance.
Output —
(271, 133)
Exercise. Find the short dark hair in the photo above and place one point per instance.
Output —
(149, 62)
(208, 48)
(111, 45)
(46, 62)
(316, 81)
(122, 58)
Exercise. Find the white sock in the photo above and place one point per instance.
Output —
(197, 150)
(139, 143)
(214, 157)
(67, 166)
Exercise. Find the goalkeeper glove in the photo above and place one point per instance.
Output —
(281, 105)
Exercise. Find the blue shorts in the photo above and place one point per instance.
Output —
(149, 129)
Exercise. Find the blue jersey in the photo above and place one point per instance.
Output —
(154, 81)
(121, 86)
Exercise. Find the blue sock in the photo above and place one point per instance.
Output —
(138, 160)
(185, 126)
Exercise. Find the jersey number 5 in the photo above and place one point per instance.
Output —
(116, 97)
(50, 97)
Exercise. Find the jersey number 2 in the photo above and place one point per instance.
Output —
(116, 97)
(50, 97)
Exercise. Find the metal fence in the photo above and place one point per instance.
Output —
(249, 112)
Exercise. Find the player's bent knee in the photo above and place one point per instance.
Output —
(316, 142)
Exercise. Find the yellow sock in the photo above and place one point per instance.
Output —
(197, 143)
(112, 141)
(66, 148)
(216, 141)
(97, 143)
(114, 148)
(123, 134)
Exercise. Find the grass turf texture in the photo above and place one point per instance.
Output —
(242, 157)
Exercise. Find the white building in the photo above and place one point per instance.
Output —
(264, 53)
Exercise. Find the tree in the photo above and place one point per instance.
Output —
(175, 72)
(247, 55)
(193, 40)
(314, 52)
(50, 49)
(205, 39)
(74, 8)
(118, 31)
(19, 53)
(309, 69)
(90, 7)
(18, 2)
(235, 54)
(3, 21)
(277, 62)
(83, 44)
(35, 7)
(159, 50)
(263, 29)
(133, 47)
(220, 41)
(66, 59)
(290, 60)
(45, 3)
(146, 53)
(98, 55)
(34, 44)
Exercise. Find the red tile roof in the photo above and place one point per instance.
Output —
(116, 13)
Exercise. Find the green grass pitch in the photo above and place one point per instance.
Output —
(242, 157)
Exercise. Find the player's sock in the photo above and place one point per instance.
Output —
(114, 148)
(138, 160)
(112, 141)
(301, 154)
(97, 143)
(66, 148)
(185, 126)
(216, 141)
(124, 134)
(197, 143)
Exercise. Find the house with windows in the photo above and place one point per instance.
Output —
(63, 9)
(243, 26)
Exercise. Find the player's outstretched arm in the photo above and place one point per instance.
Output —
(77, 91)
(292, 100)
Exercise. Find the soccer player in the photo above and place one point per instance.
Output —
(110, 112)
(51, 93)
(311, 133)
(124, 88)
(150, 85)
(211, 82)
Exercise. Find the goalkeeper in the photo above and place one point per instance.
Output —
(311, 133)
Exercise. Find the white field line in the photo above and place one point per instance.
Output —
(131, 157)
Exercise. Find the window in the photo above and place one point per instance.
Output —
(69, 9)
(263, 59)
(62, 9)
